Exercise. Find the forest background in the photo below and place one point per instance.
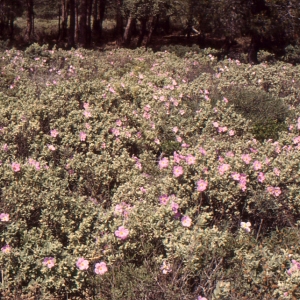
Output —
(246, 26)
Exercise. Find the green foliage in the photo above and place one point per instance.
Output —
(267, 114)
(159, 144)
(292, 54)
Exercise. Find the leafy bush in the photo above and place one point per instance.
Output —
(124, 177)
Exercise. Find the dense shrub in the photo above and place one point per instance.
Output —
(123, 176)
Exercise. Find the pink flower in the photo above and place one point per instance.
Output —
(223, 168)
(51, 147)
(163, 163)
(146, 115)
(267, 161)
(147, 108)
(201, 185)
(246, 158)
(261, 177)
(4, 217)
(118, 209)
(87, 114)
(246, 226)
(177, 171)
(235, 176)
(175, 129)
(178, 139)
(222, 129)
(6, 249)
(166, 268)
(164, 199)
(295, 267)
(16, 167)
(82, 264)
(122, 233)
(276, 171)
(143, 190)
(112, 90)
(174, 207)
(257, 165)
(186, 221)
(201, 298)
(216, 124)
(275, 191)
(49, 262)
(82, 135)
(157, 141)
(202, 151)
(176, 157)
(54, 133)
(100, 268)
(243, 178)
(184, 145)
(5, 147)
(229, 154)
(115, 131)
(119, 123)
(190, 159)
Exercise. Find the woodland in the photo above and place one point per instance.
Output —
(236, 26)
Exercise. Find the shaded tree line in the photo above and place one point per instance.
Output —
(266, 22)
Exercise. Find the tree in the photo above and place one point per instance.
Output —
(30, 20)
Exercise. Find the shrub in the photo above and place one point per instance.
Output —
(124, 177)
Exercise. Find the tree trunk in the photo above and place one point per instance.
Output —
(89, 22)
(153, 21)
(11, 27)
(142, 31)
(119, 22)
(71, 32)
(95, 17)
(128, 31)
(82, 38)
(76, 21)
(99, 10)
(166, 25)
(253, 49)
(64, 20)
(30, 20)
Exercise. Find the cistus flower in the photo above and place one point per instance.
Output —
(201, 185)
(177, 171)
(16, 167)
(166, 268)
(190, 159)
(82, 136)
(122, 233)
(100, 268)
(49, 262)
(201, 298)
(54, 133)
(4, 217)
(164, 199)
(163, 163)
(295, 267)
(6, 249)
(186, 221)
(261, 177)
(246, 226)
(82, 264)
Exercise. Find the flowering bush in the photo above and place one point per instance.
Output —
(131, 173)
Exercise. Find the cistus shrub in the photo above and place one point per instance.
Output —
(266, 113)
(133, 175)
